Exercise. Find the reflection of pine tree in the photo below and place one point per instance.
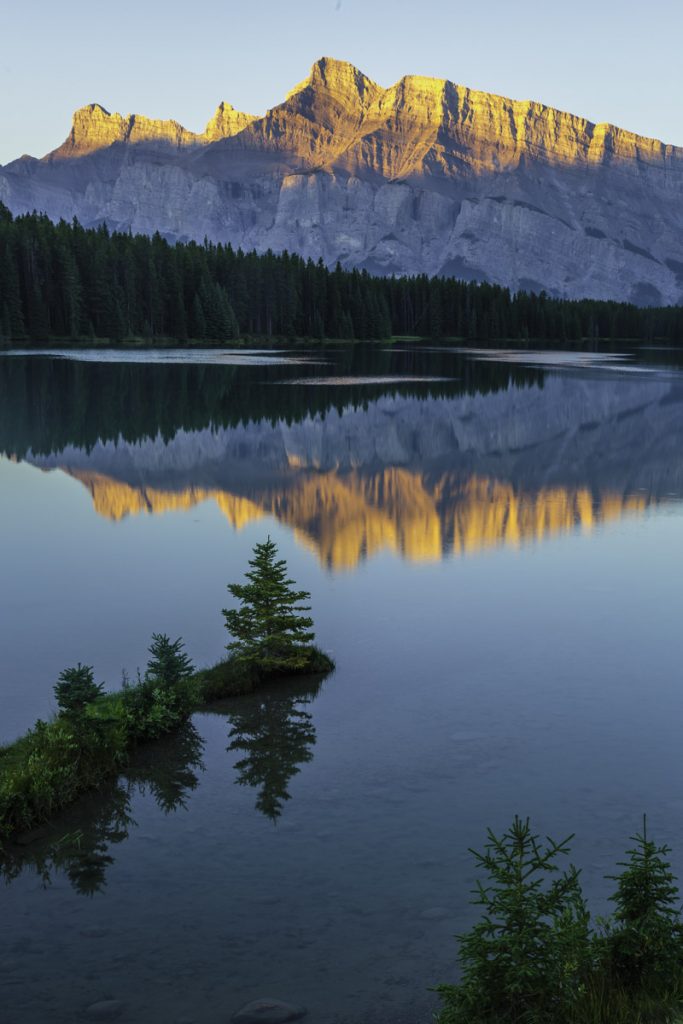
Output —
(276, 736)
(84, 856)
(168, 768)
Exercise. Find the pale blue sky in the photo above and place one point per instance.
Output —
(608, 60)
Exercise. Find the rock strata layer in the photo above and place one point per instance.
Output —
(424, 176)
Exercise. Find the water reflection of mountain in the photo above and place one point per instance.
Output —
(418, 476)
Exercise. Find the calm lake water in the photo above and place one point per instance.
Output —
(493, 547)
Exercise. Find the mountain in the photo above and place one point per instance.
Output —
(424, 176)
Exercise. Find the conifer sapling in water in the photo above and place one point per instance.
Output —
(270, 631)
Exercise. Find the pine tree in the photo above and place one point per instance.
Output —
(171, 673)
(528, 953)
(75, 689)
(169, 665)
(271, 635)
(645, 946)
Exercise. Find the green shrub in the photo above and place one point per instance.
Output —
(55, 762)
(167, 695)
(234, 677)
(228, 678)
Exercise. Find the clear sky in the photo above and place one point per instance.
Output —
(608, 60)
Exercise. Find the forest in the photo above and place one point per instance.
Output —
(66, 282)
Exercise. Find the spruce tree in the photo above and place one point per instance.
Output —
(169, 669)
(645, 945)
(75, 689)
(271, 635)
(169, 666)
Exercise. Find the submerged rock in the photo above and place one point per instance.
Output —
(268, 1011)
(436, 914)
(106, 1009)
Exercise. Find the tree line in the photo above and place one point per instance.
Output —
(64, 281)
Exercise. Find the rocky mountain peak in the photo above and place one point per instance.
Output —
(92, 127)
(338, 78)
(424, 176)
(226, 122)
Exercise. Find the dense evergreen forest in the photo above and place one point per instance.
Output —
(63, 281)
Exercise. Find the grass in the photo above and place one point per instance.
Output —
(44, 771)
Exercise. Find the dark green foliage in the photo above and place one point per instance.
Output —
(270, 632)
(644, 943)
(51, 403)
(169, 669)
(65, 281)
(76, 689)
(233, 677)
(166, 696)
(93, 737)
(228, 678)
(79, 843)
(524, 961)
(51, 766)
(534, 957)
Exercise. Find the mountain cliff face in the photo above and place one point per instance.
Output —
(425, 176)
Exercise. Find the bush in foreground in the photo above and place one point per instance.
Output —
(534, 957)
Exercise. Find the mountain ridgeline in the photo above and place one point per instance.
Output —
(66, 282)
(423, 177)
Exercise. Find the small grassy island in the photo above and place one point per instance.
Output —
(93, 733)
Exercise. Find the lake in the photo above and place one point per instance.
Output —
(492, 542)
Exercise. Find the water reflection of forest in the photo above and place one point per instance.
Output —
(51, 403)
(273, 736)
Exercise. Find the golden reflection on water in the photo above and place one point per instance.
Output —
(346, 517)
